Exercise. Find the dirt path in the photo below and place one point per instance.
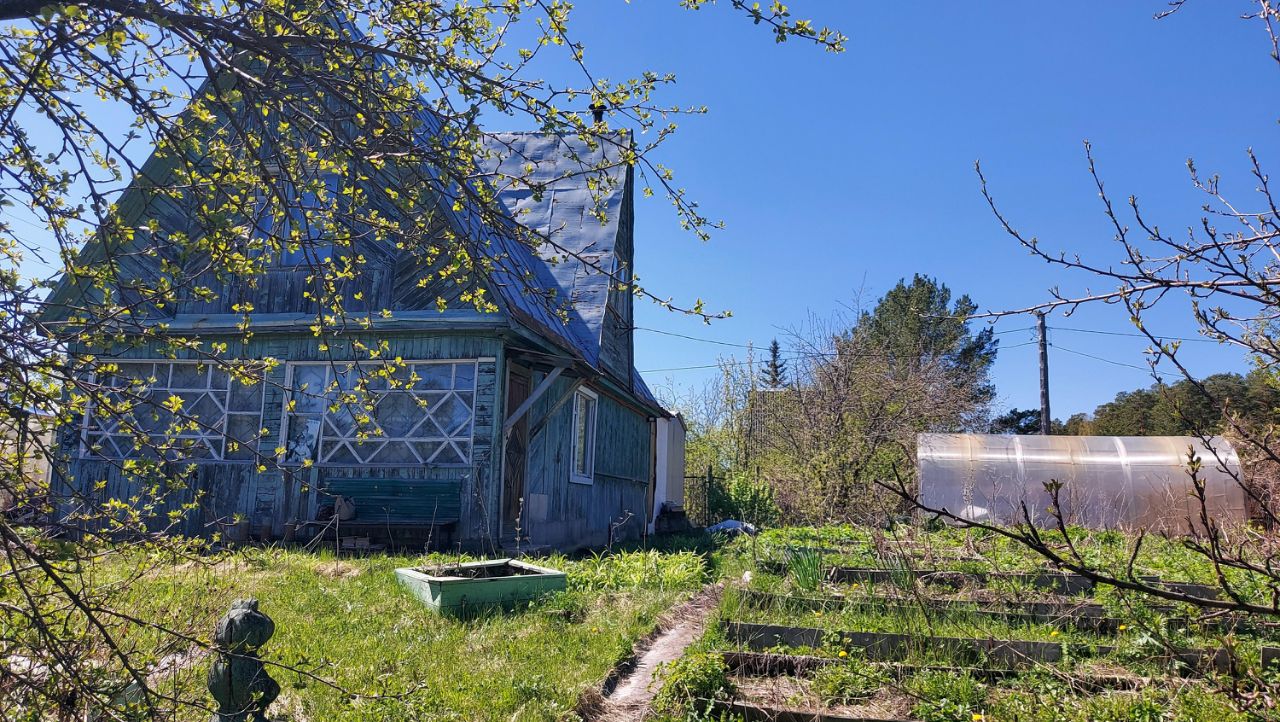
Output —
(627, 692)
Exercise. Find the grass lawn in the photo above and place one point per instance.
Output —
(365, 649)
(346, 621)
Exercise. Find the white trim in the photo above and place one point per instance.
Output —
(215, 443)
(590, 445)
(450, 440)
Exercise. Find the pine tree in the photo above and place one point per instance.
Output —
(775, 370)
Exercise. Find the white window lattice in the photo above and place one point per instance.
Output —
(422, 414)
(218, 418)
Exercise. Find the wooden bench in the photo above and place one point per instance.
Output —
(421, 502)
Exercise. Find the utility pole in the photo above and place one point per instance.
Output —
(1045, 417)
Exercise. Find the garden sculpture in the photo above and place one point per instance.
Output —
(237, 680)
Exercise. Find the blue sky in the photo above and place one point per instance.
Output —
(835, 173)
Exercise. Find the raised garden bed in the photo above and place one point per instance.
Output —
(765, 664)
(470, 587)
(753, 713)
(1056, 582)
(883, 646)
(1090, 617)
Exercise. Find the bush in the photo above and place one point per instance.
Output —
(849, 682)
(945, 696)
(689, 682)
(745, 499)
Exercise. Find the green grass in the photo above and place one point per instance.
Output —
(368, 650)
(372, 652)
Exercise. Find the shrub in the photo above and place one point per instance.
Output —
(690, 682)
(745, 499)
(945, 696)
(848, 682)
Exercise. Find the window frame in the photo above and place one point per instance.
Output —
(590, 446)
(218, 454)
(468, 459)
(297, 204)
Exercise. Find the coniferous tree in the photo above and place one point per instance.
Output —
(775, 369)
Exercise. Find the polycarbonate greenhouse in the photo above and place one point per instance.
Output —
(1126, 482)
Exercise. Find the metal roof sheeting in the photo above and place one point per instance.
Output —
(1126, 482)
(571, 194)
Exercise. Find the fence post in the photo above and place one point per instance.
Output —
(706, 494)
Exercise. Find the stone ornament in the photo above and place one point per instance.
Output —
(238, 680)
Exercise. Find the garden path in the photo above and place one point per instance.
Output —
(629, 691)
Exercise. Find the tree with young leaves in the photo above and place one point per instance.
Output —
(863, 386)
(300, 131)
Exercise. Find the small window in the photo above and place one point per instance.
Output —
(584, 437)
(306, 210)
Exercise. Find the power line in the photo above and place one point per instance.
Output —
(694, 338)
(1072, 329)
(1132, 334)
(1104, 360)
(753, 346)
(758, 362)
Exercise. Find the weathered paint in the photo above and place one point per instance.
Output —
(530, 288)
(562, 513)
(557, 511)
(453, 591)
(277, 497)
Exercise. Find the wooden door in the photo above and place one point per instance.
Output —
(514, 461)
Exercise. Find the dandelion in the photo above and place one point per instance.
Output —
(1054, 633)
(843, 653)
(978, 717)
(1123, 627)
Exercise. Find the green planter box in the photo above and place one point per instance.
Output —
(461, 589)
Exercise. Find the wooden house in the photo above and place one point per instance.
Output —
(527, 417)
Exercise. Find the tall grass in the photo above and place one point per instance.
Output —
(806, 569)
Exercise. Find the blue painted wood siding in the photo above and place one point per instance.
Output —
(567, 514)
(276, 497)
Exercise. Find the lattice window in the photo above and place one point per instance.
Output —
(182, 408)
(418, 412)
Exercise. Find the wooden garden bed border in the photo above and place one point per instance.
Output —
(888, 646)
(1060, 582)
(1091, 617)
(770, 664)
(754, 713)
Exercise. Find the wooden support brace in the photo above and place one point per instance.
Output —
(523, 408)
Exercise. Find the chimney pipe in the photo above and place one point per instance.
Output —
(597, 113)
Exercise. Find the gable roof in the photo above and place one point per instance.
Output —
(572, 195)
(548, 183)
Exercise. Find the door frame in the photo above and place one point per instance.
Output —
(521, 427)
